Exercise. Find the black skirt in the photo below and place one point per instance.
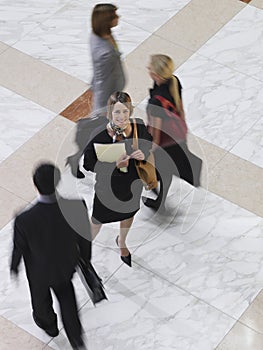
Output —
(119, 199)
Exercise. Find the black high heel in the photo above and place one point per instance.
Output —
(74, 167)
(153, 204)
(125, 259)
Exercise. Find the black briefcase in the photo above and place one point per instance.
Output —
(91, 281)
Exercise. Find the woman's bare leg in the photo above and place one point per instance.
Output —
(125, 226)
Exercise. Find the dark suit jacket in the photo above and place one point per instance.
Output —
(51, 238)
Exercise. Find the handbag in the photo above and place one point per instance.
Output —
(145, 168)
(174, 128)
(91, 281)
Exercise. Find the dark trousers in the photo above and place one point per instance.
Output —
(45, 316)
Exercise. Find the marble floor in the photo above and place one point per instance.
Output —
(197, 276)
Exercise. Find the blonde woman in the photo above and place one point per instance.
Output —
(169, 131)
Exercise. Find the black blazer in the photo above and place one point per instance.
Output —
(51, 238)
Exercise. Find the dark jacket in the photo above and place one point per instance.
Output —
(51, 238)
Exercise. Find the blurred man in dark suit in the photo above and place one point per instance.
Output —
(51, 237)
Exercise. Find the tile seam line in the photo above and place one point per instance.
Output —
(198, 298)
(38, 25)
(22, 329)
(17, 196)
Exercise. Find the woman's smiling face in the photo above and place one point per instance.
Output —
(120, 115)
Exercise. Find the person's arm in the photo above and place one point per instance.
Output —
(19, 248)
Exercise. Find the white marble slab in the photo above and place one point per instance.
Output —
(194, 253)
(250, 147)
(147, 312)
(239, 44)
(221, 104)
(62, 40)
(21, 17)
(20, 120)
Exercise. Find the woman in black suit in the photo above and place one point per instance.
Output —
(118, 188)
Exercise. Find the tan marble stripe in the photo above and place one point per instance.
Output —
(257, 3)
(247, 333)
(14, 338)
(54, 142)
(37, 81)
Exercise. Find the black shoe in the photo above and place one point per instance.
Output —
(153, 204)
(150, 203)
(52, 332)
(125, 259)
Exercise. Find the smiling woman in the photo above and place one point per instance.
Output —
(117, 193)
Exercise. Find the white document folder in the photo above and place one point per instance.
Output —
(109, 152)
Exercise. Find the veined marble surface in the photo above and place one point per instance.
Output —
(221, 104)
(239, 44)
(20, 120)
(250, 146)
(210, 259)
(20, 18)
(62, 39)
(148, 312)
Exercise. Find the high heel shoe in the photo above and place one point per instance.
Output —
(74, 167)
(153, 204)
(125, 259)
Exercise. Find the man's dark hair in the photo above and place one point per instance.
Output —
(46, 177)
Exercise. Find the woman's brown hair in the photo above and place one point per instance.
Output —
(119, 96)
(102, 17)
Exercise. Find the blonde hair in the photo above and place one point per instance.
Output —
(163, 66)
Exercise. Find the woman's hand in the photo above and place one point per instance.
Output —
(138, 155)
(123, 161)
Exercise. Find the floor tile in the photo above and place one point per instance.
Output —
(146, 312)
(49, 87)
(13, 338)
(253, 316)
(257, 3)
(80, 108)
(213, 110)
(241, 338)
(9, 204)
(250, 147)
(3, 47)
(237, 180)
(238, 44)
(190, 30)
(26, 16)
(52, 143)
(195, 252)
(26, 118)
